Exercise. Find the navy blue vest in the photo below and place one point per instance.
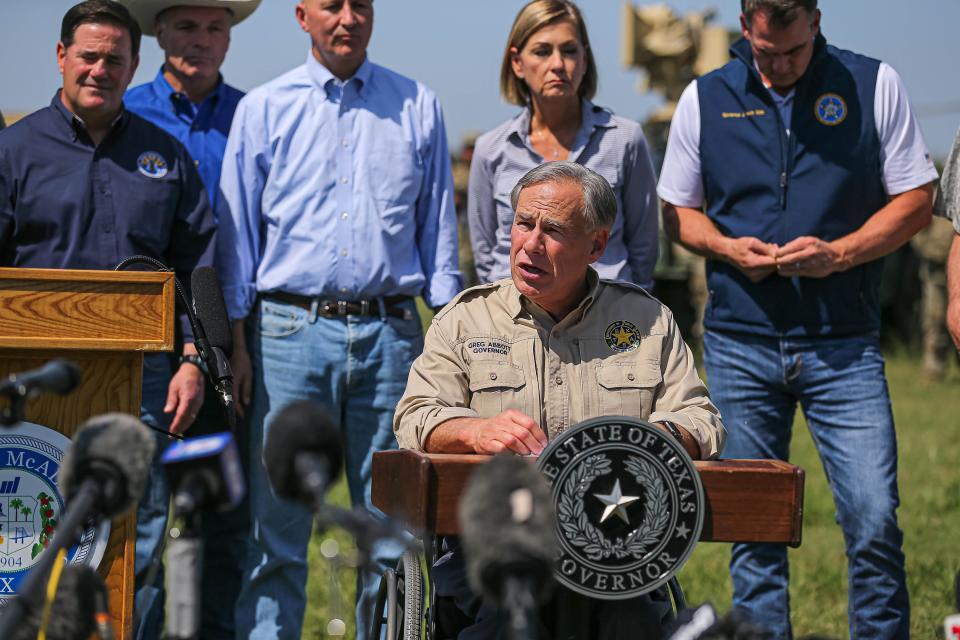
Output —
(823, 180)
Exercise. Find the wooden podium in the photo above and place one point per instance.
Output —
(103, 321)
(746, 500)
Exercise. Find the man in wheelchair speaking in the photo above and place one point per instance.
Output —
(509, 365)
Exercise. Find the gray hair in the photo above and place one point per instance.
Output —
(782, 12)
(599, 201)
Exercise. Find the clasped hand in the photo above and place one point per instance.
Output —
(806, 257)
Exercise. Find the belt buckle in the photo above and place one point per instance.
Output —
(341, 307)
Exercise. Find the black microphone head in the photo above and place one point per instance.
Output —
(75, 607)
(210, 308)
(61, 376)
(115, 450)
(300, 427)
(508, 527)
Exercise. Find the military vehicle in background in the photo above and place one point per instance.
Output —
(672, 50)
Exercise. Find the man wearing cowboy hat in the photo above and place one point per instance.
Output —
(189, 99)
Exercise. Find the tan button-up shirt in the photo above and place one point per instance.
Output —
(619, 353)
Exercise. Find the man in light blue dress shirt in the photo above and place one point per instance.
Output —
(336, 209)
(189, 100)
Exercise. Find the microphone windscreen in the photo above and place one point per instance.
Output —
(115, 450)
(300, 427)
(59, 376)
(507, 527)
(74, 609)
(210, 308)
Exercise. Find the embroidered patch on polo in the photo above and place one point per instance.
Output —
(830, 109)
(152, 164)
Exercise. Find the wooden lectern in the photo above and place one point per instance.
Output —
(103, 321)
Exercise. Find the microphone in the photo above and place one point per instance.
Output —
(77, 609)
(57, 376)
(508, 534)
(303, 453)
(215, 342)
(204, 472)
(103, 474)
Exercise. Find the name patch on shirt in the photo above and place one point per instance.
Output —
(622, 336)
(152, 164)
(489, 345)
(752, 113)
(830, 109)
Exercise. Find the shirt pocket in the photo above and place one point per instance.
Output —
(396, 174)
(148, 209)
(627, 387)
(495, 387)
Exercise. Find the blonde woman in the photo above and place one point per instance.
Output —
(548, 70)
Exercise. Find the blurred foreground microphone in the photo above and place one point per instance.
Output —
(79, 608)
(102, 475)
(508, 534)
(215, 342)
(57, 376)
(205, 473)
(303, 453)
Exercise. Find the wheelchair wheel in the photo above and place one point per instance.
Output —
(401, 602)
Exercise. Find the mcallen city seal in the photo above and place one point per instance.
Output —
(629, 506)
(31, 505)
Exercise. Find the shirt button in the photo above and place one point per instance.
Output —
(344, 180)
(344, 143)
(493, 376)
(630, 376)
(343, 289)
(559, 380)
(343, 253)
(344, 215)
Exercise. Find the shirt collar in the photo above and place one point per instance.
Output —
(321, 76)
(517, 304)
(75, 123)
(164, 90)
(592, 116)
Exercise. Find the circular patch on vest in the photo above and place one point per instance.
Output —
(629, 505)
(830, 109)
(31, 505)
(622, 336)
(152, 164)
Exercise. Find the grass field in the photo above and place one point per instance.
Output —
(928, 417)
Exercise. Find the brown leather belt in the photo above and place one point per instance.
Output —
(393, 305)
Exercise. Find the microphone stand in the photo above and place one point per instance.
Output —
(184, 558)
(212, 357)
(32, 592)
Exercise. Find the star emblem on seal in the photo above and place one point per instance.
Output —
(830, 109)
(615, 503)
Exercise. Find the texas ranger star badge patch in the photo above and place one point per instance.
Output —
(622, 336)
(830, 109)
(152, 164)
(31, 505)
(629, 506)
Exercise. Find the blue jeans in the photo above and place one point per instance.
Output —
(358, 367)
(154, 505)
(756, 382)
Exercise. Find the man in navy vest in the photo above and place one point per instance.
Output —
(794, 169)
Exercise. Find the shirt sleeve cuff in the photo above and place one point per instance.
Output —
(239, 300)
(443, 287)
(708, 433)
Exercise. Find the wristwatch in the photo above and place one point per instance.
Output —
(195, 361)
(673, 429)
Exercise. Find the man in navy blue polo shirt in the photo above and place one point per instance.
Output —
(85, 184)
(189, 99)
(794, 169)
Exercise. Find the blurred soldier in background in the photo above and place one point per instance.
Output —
(932, 246)
(461, 177)
(948, 206)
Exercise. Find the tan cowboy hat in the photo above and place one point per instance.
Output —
(145, 12)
